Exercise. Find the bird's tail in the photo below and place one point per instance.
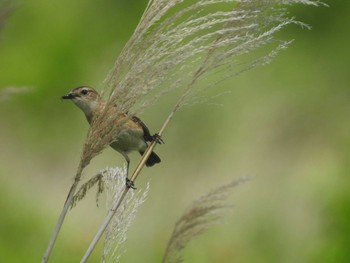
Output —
(152, 159)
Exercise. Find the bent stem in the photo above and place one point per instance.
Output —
(104, 225)
(62, 216)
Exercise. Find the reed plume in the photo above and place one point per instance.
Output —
(204, 212)
(84, 188)
(182, 45)
(116, 232)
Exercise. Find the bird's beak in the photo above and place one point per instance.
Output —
(68, 96)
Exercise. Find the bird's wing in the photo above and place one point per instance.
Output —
(146, 133)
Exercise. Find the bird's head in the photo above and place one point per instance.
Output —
(86, 98)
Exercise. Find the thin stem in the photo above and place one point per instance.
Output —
(104, 226)
(151, 147)
(62, 216)
(59, 222)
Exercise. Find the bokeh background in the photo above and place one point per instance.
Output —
(286, 124)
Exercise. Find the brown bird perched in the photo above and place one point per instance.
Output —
(134, 135)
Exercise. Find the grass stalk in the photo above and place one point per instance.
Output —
(104, 225)
(62, 216)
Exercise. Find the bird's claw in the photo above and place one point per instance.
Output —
(157, 138)
(130, 184)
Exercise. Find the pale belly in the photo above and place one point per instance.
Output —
(129, 140)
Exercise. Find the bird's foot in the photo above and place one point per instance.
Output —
(129, 184)
(156, 137)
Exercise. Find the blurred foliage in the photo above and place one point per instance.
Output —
(286, 123)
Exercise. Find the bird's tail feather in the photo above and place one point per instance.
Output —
(152, 159)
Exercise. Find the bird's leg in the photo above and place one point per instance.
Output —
(128, 183)
(156, 137)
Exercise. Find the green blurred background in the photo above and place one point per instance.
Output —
(286, 124)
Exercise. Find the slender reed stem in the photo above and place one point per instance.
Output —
(61, 218)
(104, 226)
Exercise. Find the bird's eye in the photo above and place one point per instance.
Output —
(84, 91)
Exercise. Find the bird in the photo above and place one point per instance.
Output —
(134, 135)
